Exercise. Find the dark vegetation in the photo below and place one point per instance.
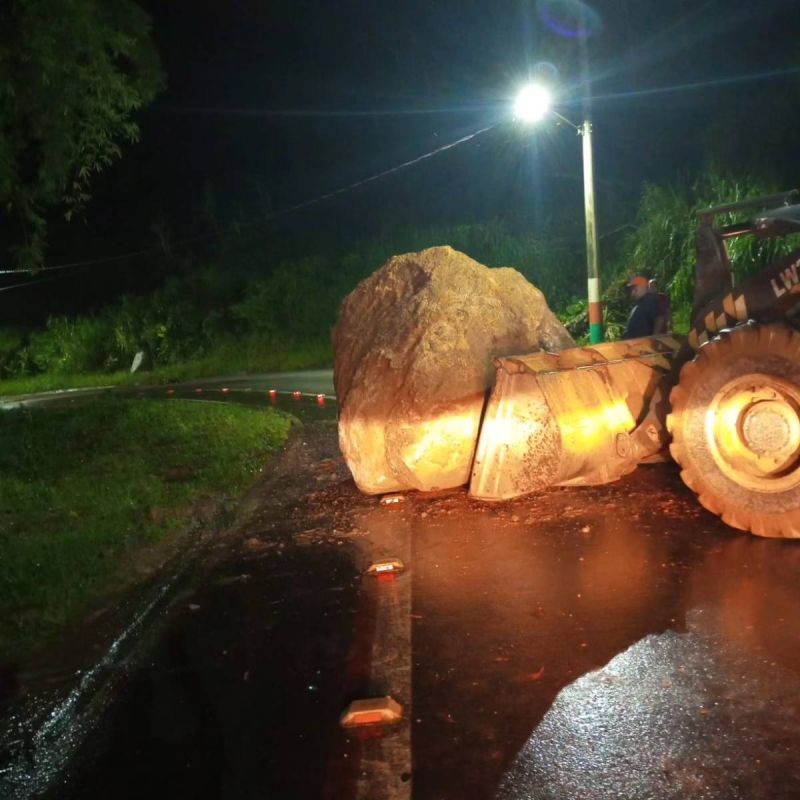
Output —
(72, 75)
(242, 312)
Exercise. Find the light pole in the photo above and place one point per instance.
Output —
(533, 104)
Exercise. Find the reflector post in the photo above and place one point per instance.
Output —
(296, 395)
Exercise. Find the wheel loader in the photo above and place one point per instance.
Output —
(725, 399)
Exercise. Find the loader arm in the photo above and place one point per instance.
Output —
(765, 297)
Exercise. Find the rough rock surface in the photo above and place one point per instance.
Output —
(413, 358)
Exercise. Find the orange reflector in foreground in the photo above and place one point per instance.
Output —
(389, 566)
(373, 711)
(296, 395)
(320, 399)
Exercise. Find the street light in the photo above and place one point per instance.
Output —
(532, 105)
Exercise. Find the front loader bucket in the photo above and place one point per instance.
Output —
(566, 418)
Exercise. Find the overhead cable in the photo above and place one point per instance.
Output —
(263, 220)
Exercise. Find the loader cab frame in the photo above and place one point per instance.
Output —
(776, 215)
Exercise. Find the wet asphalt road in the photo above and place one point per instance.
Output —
(613, 642)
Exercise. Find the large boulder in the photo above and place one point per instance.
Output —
(413, 359)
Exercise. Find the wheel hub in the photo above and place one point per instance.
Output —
(755, 424)
(770, 429)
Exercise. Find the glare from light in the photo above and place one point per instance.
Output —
(533, 103)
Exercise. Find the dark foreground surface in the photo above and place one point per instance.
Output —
(615, 642)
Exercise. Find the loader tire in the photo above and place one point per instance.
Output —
(735, 425)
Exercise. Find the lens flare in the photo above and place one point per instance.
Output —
(572, 19)
(545, 72)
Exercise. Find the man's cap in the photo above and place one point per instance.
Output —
(637, 280)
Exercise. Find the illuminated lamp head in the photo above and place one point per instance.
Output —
(533, 103)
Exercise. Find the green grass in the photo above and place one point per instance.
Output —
(46, 382)
(251, 354)
(85, 488)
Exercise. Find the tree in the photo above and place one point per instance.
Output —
(72, 75)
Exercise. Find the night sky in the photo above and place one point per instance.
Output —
(270, 103)
(233, 67)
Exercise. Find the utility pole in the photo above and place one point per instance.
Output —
(592, 270)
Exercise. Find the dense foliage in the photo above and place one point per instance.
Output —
(243, 304)
(72, 73)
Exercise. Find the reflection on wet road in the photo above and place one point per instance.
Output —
(606, 643)
(612, 642)
(675, 715)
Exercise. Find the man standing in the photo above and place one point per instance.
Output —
(646, 318)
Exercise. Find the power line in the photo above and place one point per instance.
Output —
(269, 218)
(384, 173)
(328, 195)
(687, 87)
(313, 113)
(72, 264)
(31, 283)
